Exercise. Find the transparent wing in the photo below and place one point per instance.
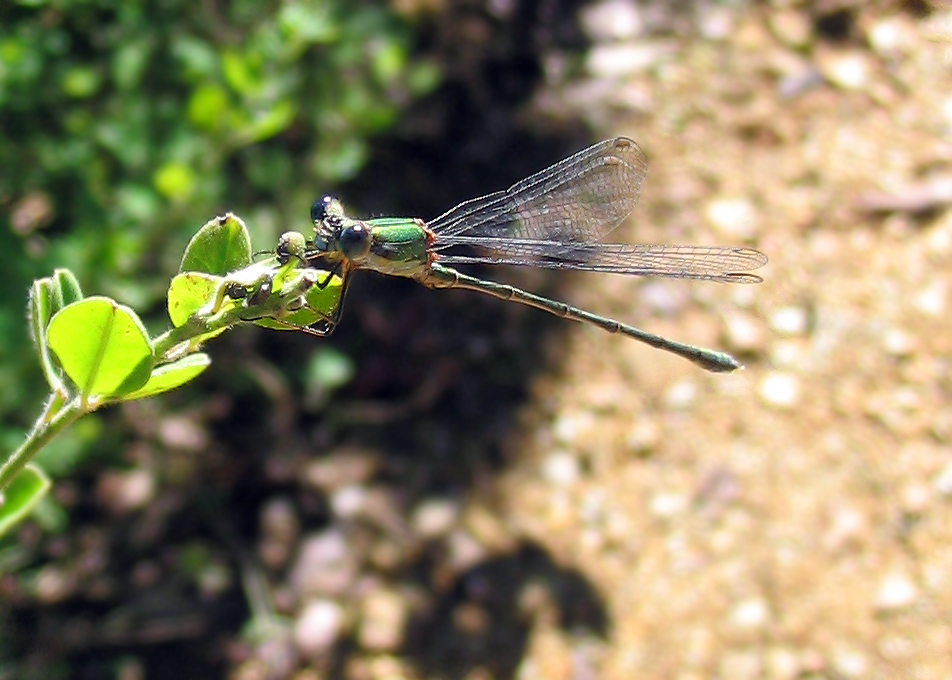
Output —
(711, 263)
(579, 199)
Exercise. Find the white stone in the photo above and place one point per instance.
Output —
(751, 614)
(780, 390)
(732, 217)
(318, 627)
(789, 321)
(611, 20)
(896, 591)
(561, 469)
(435, 517)
(349, 501)
(681, 396)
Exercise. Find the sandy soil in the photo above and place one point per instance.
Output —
(793, 519)
(619, 513)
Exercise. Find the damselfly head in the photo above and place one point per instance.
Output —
(327, 215)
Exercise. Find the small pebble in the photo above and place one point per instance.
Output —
(122, 492)
(318, 627)
(780, 390)
(896, 591)
(435, 517)
(681, 396)
(789, 321)
(569, 428)
(622, 60)
(846, 70)
(733, 218)
(324, 565)
(745, 333)
(851, 663)
(930, 300)
(561, 469)
(750, 614)
(916, 498)
(183, 433)
(898, 343)
(740, 666)
(349, 501)
(792, 27)
(383, 619)
(643, 436)
(667, 504)
(892, 37)
(787, 354)
(611, 20)
(715, 22)
(848, 527)
(943, 481)
(783, 663)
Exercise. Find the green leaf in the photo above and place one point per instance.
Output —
(130, 61)
(102, 346)
(175, 181)
(221, 246)
(68, 287)
(276, 120)
(47, 296)
(321, 303)
(42, 307)
(18, 499)
(207, 107)
(238, 73)
(188, 293)
(81, 82)
(169, 376)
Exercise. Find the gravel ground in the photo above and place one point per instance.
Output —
(791, 520)
(574, 505)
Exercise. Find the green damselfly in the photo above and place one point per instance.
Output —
(552, 219)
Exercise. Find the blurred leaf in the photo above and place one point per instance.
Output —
(139, 202)
(238, 73)
(102, 347)
(129, 63)
(276, 120)
(169, 376)
(174, 181)
(311, 22)
(207, 107)
(341, 159)
(81, 82)
(329, 369)
(221, 246)
(198, 58)
(18, 499)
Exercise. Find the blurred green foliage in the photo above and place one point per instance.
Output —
(127, 125)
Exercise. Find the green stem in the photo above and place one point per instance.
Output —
(43, 431)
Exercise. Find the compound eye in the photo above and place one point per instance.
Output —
(319, 209)
(355, 241)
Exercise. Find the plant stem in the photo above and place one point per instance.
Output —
(43, 431)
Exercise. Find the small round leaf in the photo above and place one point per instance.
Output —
(18, 499)
(102, 346)
(169, 376)
(221, 246)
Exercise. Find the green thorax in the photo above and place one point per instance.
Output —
(398, 246)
